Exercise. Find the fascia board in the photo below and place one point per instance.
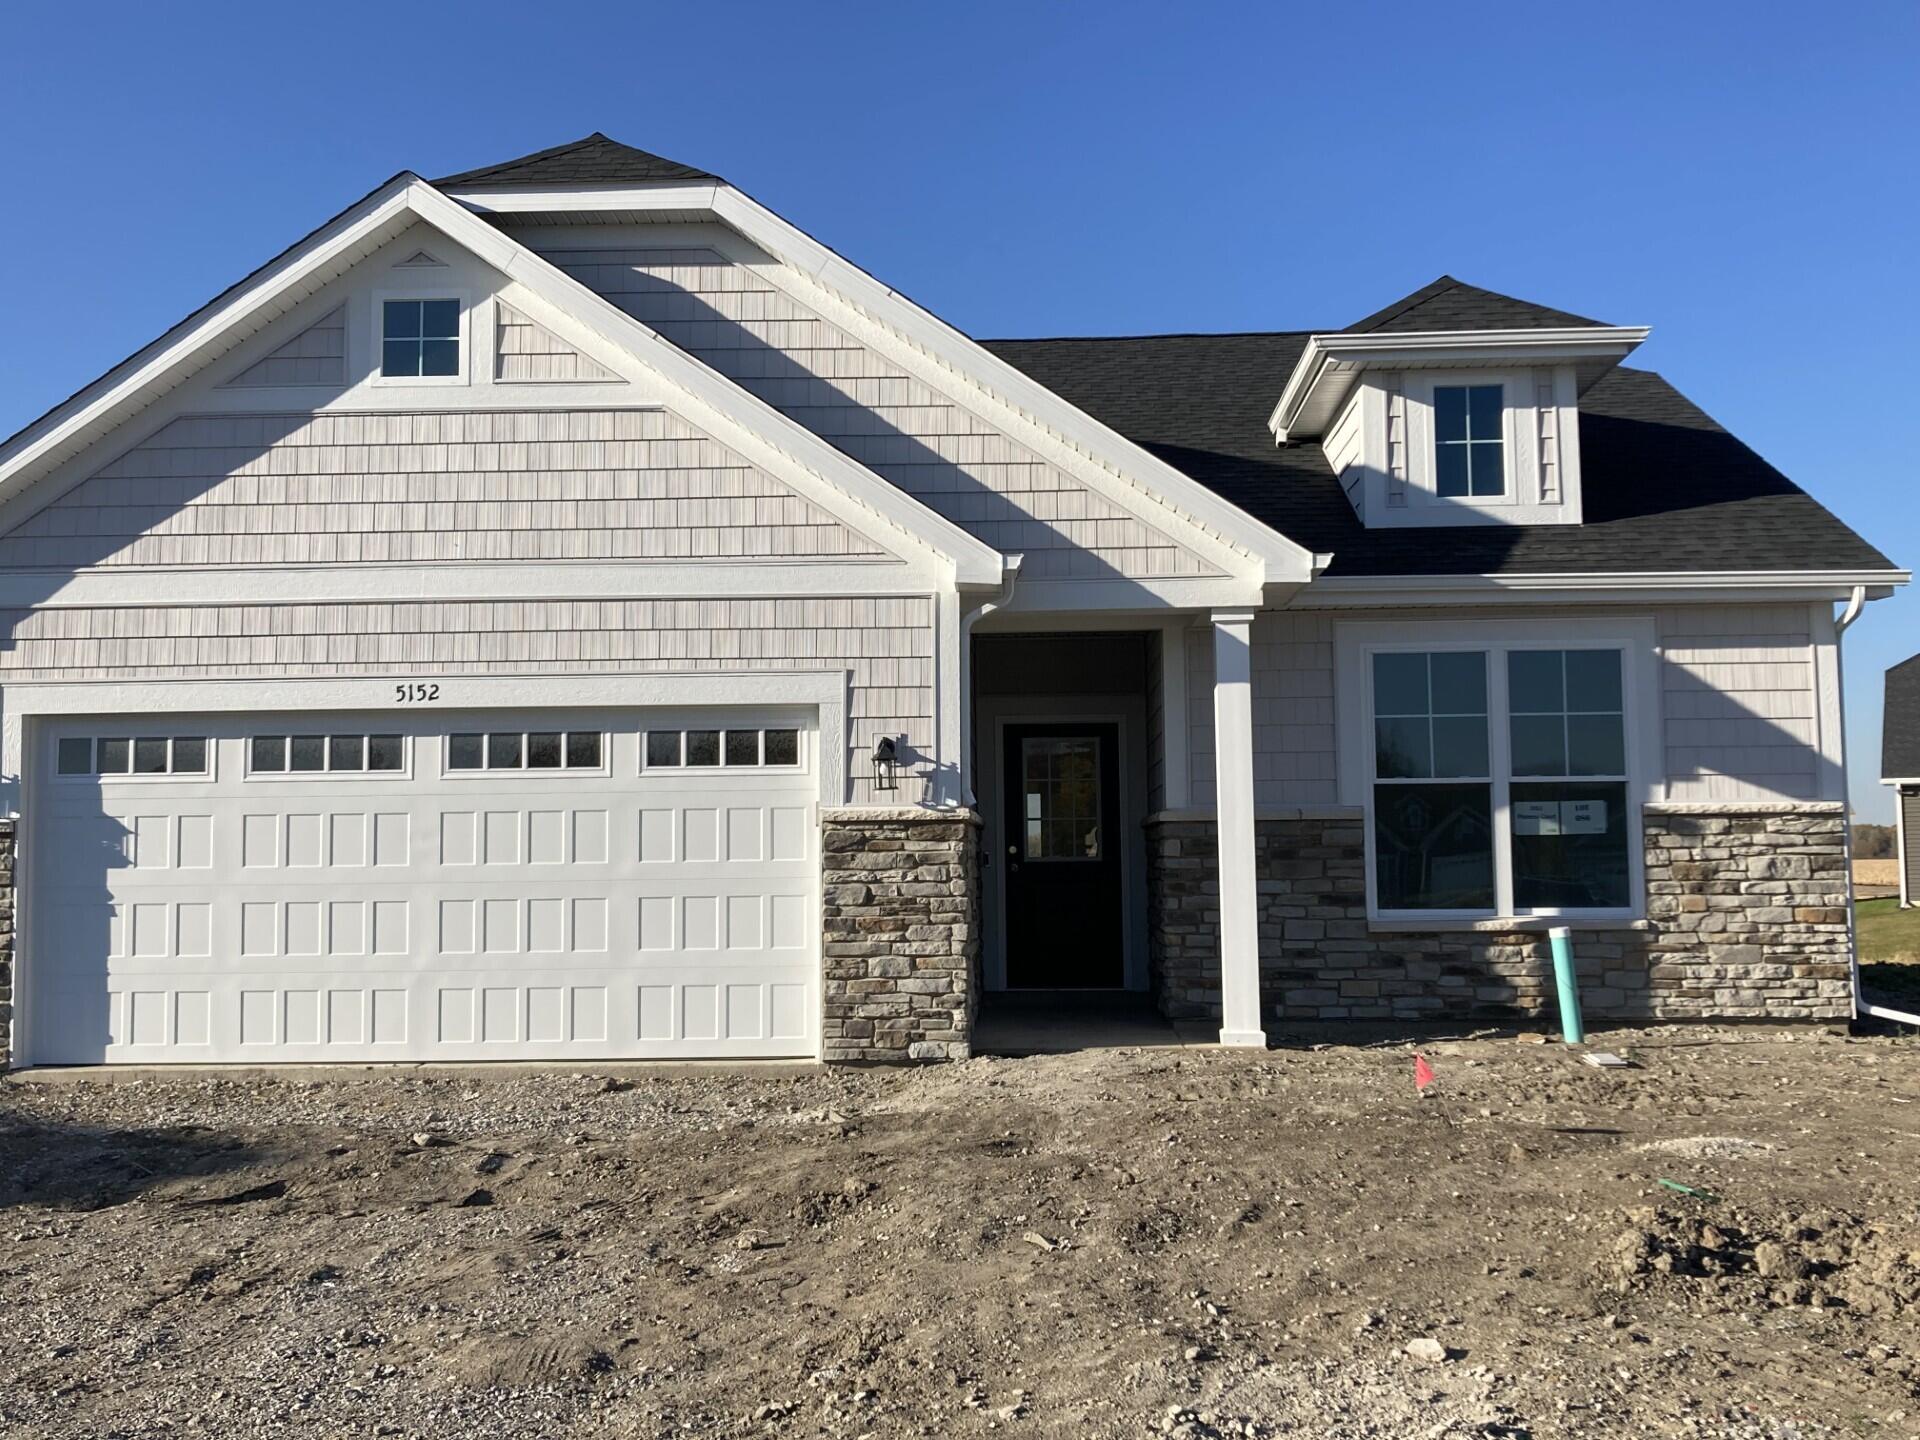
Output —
(1358, 591)
(974, 562)
(1284, 559)
(1347, 355)
(562, 199)
(144, 376)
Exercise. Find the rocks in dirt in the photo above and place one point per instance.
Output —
(1039, 1241)
(429, 1140)
(474, 1199)
(1428, 1351)
(1776, 1261)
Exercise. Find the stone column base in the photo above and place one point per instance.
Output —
(900, 902)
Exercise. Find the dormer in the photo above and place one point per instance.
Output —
(1455, 406)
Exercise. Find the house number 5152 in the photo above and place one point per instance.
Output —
(415, 694)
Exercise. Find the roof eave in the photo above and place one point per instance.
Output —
(1338, 360)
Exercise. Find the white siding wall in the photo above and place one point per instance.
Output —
(526, 351)
(316, 356)
(1741, 702)
(1738, 694)
(887, 643)
(333, 487)
(922, 440)
(1294, 755)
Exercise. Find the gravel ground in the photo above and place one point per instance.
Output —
(1117, 1243)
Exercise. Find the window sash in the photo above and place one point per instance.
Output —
(1502, 780)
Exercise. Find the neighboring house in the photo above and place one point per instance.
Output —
(563, 610)
(1900, 768)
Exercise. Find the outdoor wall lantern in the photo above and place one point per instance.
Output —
(886, 764)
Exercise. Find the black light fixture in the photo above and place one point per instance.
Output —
(886, 761)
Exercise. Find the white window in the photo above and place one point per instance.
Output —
(527, 750)
(325, 754)
(1469, 446)
(132, 755)
(1498, 773)
(675, 749)
(419, 337)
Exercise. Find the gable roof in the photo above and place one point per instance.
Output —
(596, 160)
(1900, 724)
(1450, 304)
(1665, 487)
(305, 267)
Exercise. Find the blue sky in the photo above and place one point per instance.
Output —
(1740, 177)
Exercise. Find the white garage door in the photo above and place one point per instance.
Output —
(475, 886)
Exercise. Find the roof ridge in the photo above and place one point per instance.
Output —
(618, 162)
(1405, 303)
(1144, 335)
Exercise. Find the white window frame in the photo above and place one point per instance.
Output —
(326, 772)
(1357, 642)
(130, 776)
(524, 771)
(377, 328)
(760, 767)
(1516, 388)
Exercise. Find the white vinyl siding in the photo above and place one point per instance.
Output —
(334, 488)
(918, 438)
(526, 351)
(886, 643)
(1741, 703)
(1738, 699)
(316, 356)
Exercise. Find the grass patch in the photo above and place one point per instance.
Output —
(1889, 947)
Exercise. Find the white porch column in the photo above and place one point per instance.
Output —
(1233, 784)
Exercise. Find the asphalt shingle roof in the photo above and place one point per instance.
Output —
(1450, 304)
(594, 160)
(1900, 723)
(1664, 487)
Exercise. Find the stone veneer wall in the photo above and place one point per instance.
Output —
(1747, 916)
(6, 942)
(900, 901)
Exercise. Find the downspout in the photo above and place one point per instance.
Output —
(1855, 604)
(1000, 601)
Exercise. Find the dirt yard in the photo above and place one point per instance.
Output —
(1124, 1243)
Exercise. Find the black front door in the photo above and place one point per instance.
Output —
(1062, 844)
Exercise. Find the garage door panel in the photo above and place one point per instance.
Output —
(423, 915)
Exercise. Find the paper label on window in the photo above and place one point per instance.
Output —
(1559, 817)
(1583, 817)
(1536, 817)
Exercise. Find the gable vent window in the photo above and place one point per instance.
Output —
(420, 337)
(1468, 456)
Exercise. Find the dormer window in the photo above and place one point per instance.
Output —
(419, 338)
(1469, 457)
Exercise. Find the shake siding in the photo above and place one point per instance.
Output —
(527, 351)
(1737, 689)
(316, 356)
(1740, 701)
(918, 438)
(1295, 759)
(885, 642)
(454, 485)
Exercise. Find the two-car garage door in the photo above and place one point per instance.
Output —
(469, 886)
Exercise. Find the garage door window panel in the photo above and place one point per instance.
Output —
(764, 748)
(576, 751)
(122, 757)
(275, 756)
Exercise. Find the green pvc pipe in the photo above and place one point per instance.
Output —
(1571, 1030)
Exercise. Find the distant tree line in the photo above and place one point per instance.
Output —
(1874, 842)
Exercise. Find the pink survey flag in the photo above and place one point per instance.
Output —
(1423, 1075)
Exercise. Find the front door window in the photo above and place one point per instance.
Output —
(1062, 784)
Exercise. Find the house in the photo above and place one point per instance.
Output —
(563, 610)
(1900, 768)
